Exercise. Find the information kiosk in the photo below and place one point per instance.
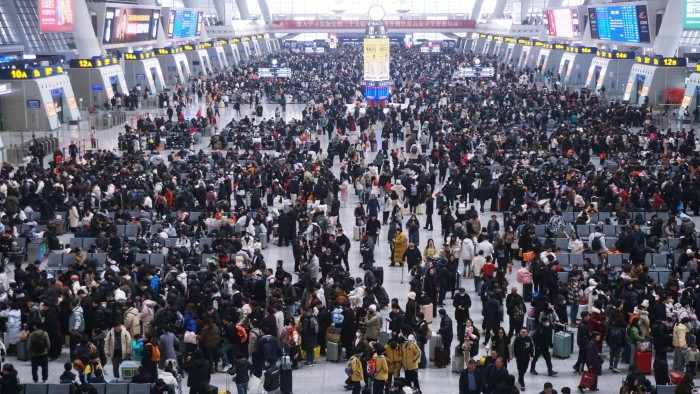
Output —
(144, 68)
(41, 98)
(651, 76)
(173, 62)
(97, 80)
(610, 70)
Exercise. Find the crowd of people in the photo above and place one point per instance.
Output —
(216, 305)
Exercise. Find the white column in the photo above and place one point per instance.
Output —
(524, 9)
(500, 7)
(243, 9)
(476, 10)
(86, 41)
(555, 3)
(220, 7)
(670, 31)
(265, 11)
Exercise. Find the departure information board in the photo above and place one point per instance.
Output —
(622, 23)
(691, 16)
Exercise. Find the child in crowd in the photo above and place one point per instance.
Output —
(692, 356)
(67, 376)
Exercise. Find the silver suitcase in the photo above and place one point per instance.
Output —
(333, 352)
(435, 341)
(357, 232)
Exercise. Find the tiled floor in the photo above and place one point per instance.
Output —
(328, 377)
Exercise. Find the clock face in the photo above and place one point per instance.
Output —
(376, 12)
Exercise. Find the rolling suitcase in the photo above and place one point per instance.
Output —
(378, 275)
(527, 292)
(530, 323)
(563, 344)
(442, 358)
(263, 241)
(357, 232)
(286, 379)
(22, 351)
(642, 360)
(333, 352)
(434, 343)
(457, 364)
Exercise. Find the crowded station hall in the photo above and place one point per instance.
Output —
(329, 196)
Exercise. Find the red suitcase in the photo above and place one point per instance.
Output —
(675, 377)
(442, 359)
(642, 360)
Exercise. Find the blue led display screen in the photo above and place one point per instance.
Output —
(622, 23)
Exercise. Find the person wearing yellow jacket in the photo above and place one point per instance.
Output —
(393, 353)
(382, 370)
(400, 245)
(357, 371)
(680, 344)
(409, 360)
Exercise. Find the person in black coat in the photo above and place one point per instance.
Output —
(495, 374)
(661, 368)
(429, 212)
(446, 330)
(348, 329)
(583, 335)
(471, 377)
(430, 288)
(284, 230)
(198, 373)
(324, 321)
(462, 302)
(491, 317)
(543, 341)
(51, 326)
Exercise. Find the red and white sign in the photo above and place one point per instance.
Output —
(56, 16)
(389, 24)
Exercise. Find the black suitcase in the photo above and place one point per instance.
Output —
(286, 379)
(442, 359)
(378, 275)
(527, 292)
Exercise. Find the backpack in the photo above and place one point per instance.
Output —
(414, 190)
(596, 245)
(372, 368)
(616, 335)
(38, 345)
(348, 366)
(272, 379)
(242, 333)
(428, 333)
(690, 338)
(155, 353)
(394, 195)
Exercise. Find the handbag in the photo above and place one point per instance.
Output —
(644, 346)
(471, 274)
(588, 380)
(332, 336)
(190, 337)
(528, 256)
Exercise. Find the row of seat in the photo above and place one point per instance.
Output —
(86, 243)
(660, 277)
(655, 261)
(102, 388)
(595, 217)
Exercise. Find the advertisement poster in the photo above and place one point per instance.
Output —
(184, 24)
(130, 25)
(56, 16)
(376, 56)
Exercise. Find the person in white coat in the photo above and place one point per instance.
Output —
(466, 254)
(14, 325)
(117, 346)
(73, 218)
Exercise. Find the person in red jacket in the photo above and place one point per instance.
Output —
(596, 322)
